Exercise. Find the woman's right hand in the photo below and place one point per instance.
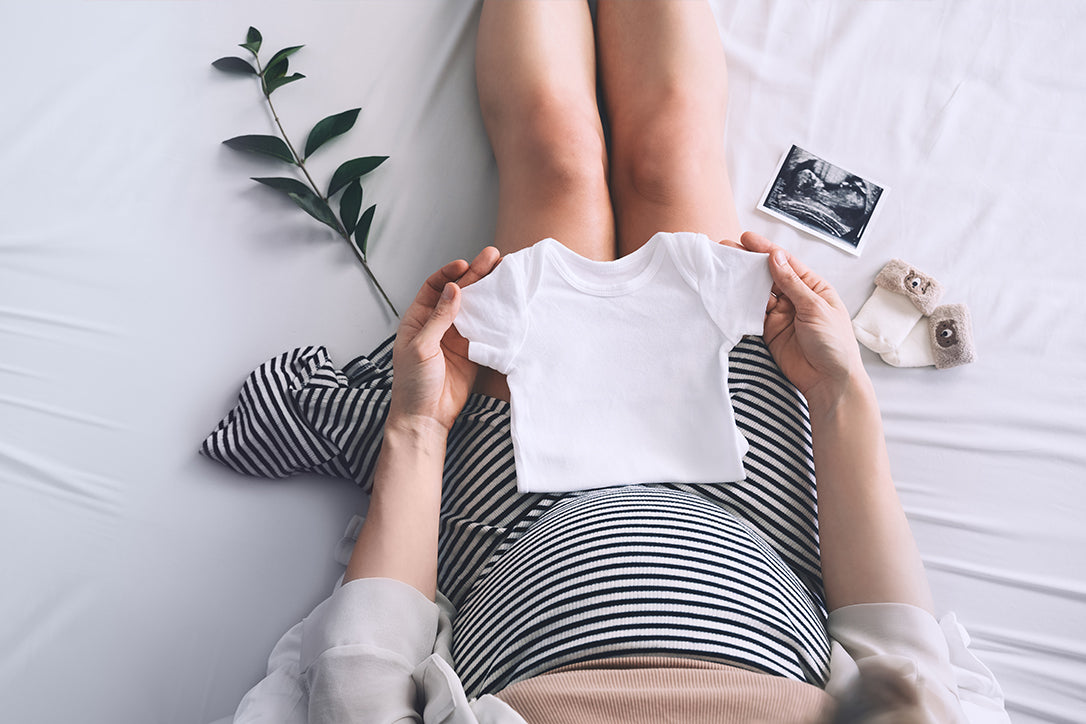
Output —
(807, 327)
(432, 375)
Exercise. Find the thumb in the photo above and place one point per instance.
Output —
(790, 282)
(441, 318)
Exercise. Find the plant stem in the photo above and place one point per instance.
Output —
(366, 266)
(300, 163)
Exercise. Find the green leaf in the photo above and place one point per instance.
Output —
(362, 231)
(252, 41)
(275, 73)
(349, 204)
(281, 56)
(285, 184)
(329, 128)
(270, 86)
(350, 170)
(233, 64)
(267, 145)
(275, 70)
(304, 196)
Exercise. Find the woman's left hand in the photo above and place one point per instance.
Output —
(432, 375)
(807, 327)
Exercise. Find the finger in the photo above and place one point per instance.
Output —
(760, 244)
(756, 242)
(431, 290)
(729, 242)
(481, 265)
(816, 284)
(813, 282)
(784, 306)
(794, 287)
(441, 318)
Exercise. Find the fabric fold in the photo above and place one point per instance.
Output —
(298, 412)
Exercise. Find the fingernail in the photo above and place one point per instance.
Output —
(448, 292)
(780, 257)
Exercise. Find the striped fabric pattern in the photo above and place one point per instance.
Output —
(483, 515)
(298, 413)
(637, 571)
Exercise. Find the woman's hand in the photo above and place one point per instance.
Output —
(807, 327)
(432, 375)
(867, 551)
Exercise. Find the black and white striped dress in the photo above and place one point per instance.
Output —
(725, 573)
(636, 571)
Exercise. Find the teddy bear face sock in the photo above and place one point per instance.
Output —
(903, 322)
(942, 340)
(950, 335)
(902, 296)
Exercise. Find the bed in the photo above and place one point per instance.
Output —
(143, 276)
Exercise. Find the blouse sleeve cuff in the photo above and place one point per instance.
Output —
(893, 629)
(378, 613)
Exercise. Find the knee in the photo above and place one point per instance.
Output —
(555, 138)
(672, 147)
(565, 149)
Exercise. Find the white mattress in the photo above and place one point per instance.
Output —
(143, 275)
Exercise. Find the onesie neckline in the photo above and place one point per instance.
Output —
(608, 278)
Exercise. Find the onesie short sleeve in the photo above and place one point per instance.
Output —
(493, 315)
(733, 284)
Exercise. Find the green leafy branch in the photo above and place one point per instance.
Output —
(352, 223)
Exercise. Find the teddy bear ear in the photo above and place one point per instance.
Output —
(954, 318)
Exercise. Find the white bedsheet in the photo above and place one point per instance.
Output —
(142, 275)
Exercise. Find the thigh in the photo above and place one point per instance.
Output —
(540, 112)
(664, 79)
(536, 75)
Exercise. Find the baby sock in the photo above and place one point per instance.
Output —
(944, 339)
(902, 296)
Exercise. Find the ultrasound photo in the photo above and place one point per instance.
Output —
(822, 199)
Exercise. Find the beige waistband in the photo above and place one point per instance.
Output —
(644, 689)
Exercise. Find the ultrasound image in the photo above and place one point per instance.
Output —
(823, 197)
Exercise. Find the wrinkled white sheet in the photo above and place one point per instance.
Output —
(142, 275)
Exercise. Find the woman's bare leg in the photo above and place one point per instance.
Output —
(665, 84)
(535, 68)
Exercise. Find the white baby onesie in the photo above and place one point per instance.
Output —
(618, 370)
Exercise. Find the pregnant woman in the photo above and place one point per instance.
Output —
(670, 600)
